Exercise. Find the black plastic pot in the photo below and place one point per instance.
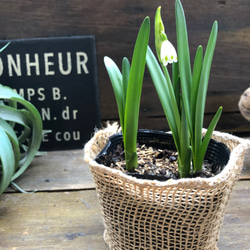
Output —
(217, 153)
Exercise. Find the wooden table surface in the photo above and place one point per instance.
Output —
(64, 212)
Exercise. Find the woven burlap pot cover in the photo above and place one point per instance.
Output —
(174, 214)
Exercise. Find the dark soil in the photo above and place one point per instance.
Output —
(154, 163)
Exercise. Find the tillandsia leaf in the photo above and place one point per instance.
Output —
(163, 89)
(35, 139)
(131, 115)
(16, 187)
(25, 133)
(203, 85)
(14, 115)
(116, 81)
(4, 47)
(12, 104)
(7, 160)
(183, 57)
(4, 125)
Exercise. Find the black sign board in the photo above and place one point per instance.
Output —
(59, 77)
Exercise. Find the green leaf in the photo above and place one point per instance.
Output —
(13, 139)
(7, 159)
(131, 115)
(125, 79)
(116, 81)
(163, 89)
(176, 83)
(184, 157)
(203, 85)
(14, 115)
(183, 57)
(206, 140)
(195, 86)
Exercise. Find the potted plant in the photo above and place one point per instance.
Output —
(20, 135)
(176, 213)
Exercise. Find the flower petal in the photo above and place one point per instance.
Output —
(168, 53)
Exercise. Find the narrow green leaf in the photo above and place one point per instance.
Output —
(116, 81)
(184, 156)
(206, 139)
(163, 89)
(176, 83)
(125, 78)
(183, 57)
(134, 95)
(195, 85)
(172, 98)
(203, 85)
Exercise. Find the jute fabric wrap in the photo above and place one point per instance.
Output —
(175, 214)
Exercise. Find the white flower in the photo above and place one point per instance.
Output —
(168, 53)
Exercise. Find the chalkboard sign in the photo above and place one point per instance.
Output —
(59, 77)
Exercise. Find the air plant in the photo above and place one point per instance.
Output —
(20, 135)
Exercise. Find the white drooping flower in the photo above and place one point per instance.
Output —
(168, 53)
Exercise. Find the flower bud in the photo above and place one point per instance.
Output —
(160, 35)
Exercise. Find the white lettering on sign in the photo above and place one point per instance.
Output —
(34, 63)
(41, 95)
(45, 114)
(66, 114)
(16, 65)
(67, 136)
(81, 64)
(50, 61)
(30, 94)
(68, 69)
(63, 136)
(45, 137)
(56, 94)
